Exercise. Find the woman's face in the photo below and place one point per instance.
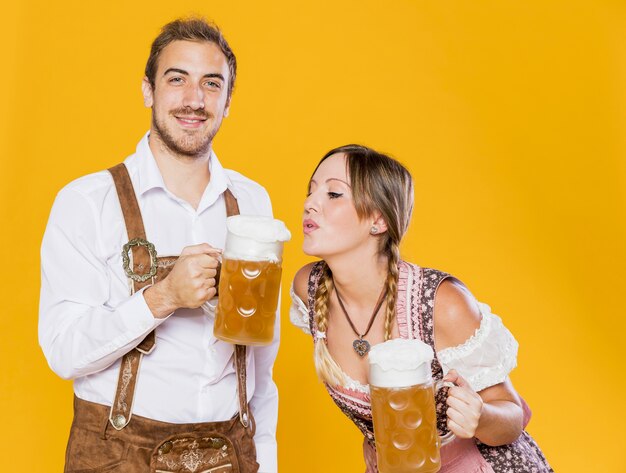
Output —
(330, 223)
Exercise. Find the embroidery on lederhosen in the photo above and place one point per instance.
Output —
(127, 374)
(195, 454)
(214, 450)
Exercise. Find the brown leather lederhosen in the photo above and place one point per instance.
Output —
(105, 439)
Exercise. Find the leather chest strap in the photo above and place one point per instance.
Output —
(142, 261)
(128, 201)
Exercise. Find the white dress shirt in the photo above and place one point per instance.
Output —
(88, 321)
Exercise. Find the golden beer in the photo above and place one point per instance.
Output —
(405, 427)
(403, 407)
(248, 298)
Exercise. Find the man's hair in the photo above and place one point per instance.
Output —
(190, 29)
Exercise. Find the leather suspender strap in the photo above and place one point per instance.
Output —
(232, 207)
(240, 368)
(142, 259)
(128, 201)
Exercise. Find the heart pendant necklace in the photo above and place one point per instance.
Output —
(361, 346)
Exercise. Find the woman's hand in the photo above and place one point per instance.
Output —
(465, 406)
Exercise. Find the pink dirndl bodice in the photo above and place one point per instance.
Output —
(414, 314)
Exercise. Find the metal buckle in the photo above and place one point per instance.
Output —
(244, 419)
(119, 422)
(126, 259)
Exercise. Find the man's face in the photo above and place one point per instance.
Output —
(190, 96)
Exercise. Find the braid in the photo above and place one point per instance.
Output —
(392, 287)
(327, 370)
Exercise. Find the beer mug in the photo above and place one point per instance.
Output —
(250, 280)
(403, 407)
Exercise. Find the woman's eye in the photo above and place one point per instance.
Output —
(334, 195)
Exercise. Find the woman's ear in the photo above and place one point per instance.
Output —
(378, 224)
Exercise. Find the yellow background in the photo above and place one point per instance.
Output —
(510, 115)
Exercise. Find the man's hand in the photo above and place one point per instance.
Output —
(190, 283)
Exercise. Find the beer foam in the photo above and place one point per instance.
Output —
(255, 238)
(399, 363)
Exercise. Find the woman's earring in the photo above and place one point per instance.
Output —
(374, 230)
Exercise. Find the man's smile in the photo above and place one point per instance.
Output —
(190, 122)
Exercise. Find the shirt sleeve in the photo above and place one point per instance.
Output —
(79, 331)
(298, 312)
(487, 357)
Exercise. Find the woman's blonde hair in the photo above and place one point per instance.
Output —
(379, 184)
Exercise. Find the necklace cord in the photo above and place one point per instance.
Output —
(372, 318)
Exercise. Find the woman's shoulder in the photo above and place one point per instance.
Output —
(456, 312)
(302, 277)
(299, 310)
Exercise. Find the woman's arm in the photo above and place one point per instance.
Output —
(494, 415)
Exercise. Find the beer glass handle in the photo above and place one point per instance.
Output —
(210, 306)
(449, 437)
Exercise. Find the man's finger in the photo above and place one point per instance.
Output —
(207, 262)
(201, 249)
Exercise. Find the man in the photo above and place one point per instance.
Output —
(92, 330)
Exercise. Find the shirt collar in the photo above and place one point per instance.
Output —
(217, 185)
(147, 175)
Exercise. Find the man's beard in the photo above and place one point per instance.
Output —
(192, 144)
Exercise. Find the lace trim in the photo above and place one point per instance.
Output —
(501, 350)
(480, 335)
(401, 300)
(354, 385)
(298, 312)
(497, 373)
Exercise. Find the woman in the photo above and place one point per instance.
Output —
(357, 210)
